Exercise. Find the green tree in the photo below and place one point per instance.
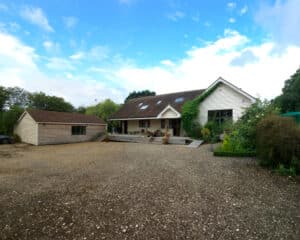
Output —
(17, 97)
(8, 119)
(103, 109)
(51, 103)
(136, 94)
(81, 109)
(289, 100)
(4, 95)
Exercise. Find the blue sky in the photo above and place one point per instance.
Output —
(105, 49)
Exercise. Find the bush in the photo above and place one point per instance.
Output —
(278, 143)
(220, 153)
(241, 136)
(17, 138)
(205, 132)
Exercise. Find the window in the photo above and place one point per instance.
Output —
(140, 104)
(178, 100)
(220, 116)
(144, 107)
(162, 123)
(78, 130)
(144, 123)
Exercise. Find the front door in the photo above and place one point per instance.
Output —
(175, 125)
(125, 127)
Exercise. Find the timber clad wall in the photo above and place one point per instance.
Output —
(62, 133)
(40, 133)
(27, 130)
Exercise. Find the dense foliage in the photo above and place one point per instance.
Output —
(242, 137)
(136, 94)
(104, 110)
(278, 144)
(190, 112)
(289, 100)
(50, 103)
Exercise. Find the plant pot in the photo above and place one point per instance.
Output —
(165, 140)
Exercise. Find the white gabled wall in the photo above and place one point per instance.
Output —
(223, 97)
(169, 114)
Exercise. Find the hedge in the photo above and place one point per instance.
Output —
(234, 154)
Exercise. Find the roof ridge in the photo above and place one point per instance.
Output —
(164, 94)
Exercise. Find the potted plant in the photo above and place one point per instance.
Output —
(165, 139)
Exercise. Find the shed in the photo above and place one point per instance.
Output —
(295, 115)
(40, 127)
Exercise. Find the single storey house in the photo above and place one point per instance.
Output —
(156, 113)
(39, 127)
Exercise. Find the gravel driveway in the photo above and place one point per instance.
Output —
(141, 191)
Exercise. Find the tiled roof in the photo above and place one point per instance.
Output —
(151, 106)
(63, 117)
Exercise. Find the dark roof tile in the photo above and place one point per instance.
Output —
(134, 107)
(63, 117)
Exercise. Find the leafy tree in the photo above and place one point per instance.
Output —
(4, 95)
(104, 110)
(136, 94)
(51, 103)
(9, 118)
(17, 97)
(289, 100)
(81, 109)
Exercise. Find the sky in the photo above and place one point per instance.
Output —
(87, 51)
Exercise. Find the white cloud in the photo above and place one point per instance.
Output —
(231, 20)
(233, 56)
(56, 63)
(282, 21)
(36, 16)
(70, 22)
(244, 10)
(98, 53)
(175, 16)
(77, 56)
(231, 5)
(18, 68)
(167, 63)
(51, 47)
(251, 67)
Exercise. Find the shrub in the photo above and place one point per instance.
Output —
(241, 136)
(17, 138)
(278, 143)
(205, 132)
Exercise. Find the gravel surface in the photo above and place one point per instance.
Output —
(141, 191)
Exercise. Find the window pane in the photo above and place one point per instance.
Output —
(162, 123)
(220, 116)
